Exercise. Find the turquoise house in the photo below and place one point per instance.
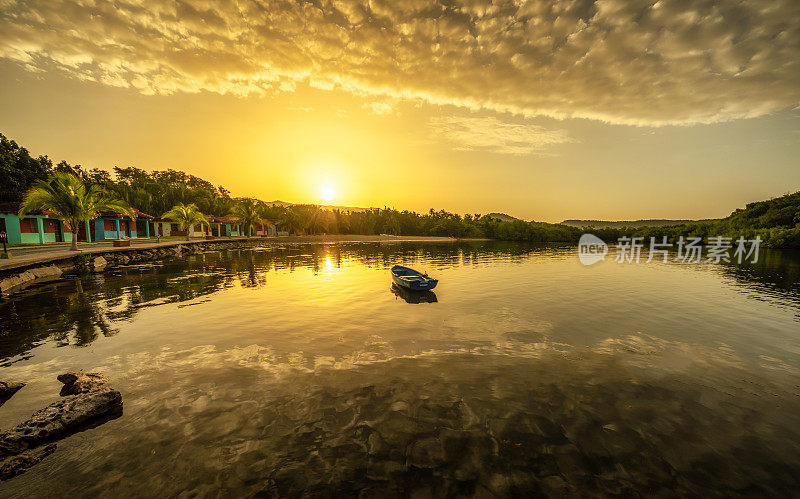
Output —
(110, 226)
(35, 228)
(40, 227)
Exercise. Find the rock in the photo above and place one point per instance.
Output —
(43, 272)
(81, 382)
(9, 283)
(99, 263)
(16, 281)
(68, 268)
(9, 388)
(376, 446)
(28, 276)
(61, 418)
(19, 464)
(427, 453)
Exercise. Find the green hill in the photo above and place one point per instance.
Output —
(776, 221)
(780, 212)
(502, 216)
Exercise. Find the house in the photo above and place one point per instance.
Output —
(144, 224)
(224, 226)
(268, 227)
(166, 228)
(163, 228)
(230, 227)
(120, 226)
(41, 227)
(199, 230)
(35, 228)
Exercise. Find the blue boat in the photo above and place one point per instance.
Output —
(412, 279)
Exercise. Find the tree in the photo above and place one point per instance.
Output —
(19, 170)
(66, 196)
(247, 212)
(186, 215)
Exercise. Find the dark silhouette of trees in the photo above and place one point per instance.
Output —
(775, 221)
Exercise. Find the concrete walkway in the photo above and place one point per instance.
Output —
(23, 256)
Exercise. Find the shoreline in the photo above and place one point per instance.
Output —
(18, 272)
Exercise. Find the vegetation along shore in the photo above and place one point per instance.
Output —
(191, 202)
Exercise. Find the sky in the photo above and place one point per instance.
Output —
(579, 109)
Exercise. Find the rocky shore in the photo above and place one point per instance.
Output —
(16, 279)
(86, 399)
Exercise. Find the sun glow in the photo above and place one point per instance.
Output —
(327, 193)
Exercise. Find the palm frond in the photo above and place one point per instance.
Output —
(70, 201)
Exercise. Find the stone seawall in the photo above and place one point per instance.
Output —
(96, 261)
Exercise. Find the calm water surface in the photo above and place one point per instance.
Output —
(298, 369)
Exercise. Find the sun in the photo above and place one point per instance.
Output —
(327, 193)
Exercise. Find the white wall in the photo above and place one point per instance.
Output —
(165, 225)
(193, 233)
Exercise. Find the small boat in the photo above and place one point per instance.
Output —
(412, 279)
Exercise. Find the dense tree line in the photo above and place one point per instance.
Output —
(776, 221)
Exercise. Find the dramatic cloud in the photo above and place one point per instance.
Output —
(622, 61)
(490, 134)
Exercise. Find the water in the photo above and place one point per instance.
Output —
(298, 370)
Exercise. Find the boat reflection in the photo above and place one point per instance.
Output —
(414, 296)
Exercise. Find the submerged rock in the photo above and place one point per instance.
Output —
(427, 453)
(86, 399)
(9, 388)
(60, 418)
(19, 464)
(81, 382)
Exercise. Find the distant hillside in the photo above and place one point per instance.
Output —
(278, 202)
(502, 216)
(775, 221)
(600, 224)
(780, 212)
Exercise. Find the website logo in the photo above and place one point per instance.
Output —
(591, 249)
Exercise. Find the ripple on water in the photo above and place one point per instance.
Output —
(509, 419)
(298, 371)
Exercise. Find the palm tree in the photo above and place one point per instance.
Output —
(311, 218)
(66, 196)
(290, 220)
(186, 215)
(247, 211)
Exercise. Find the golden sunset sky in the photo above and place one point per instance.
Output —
(609, 109)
